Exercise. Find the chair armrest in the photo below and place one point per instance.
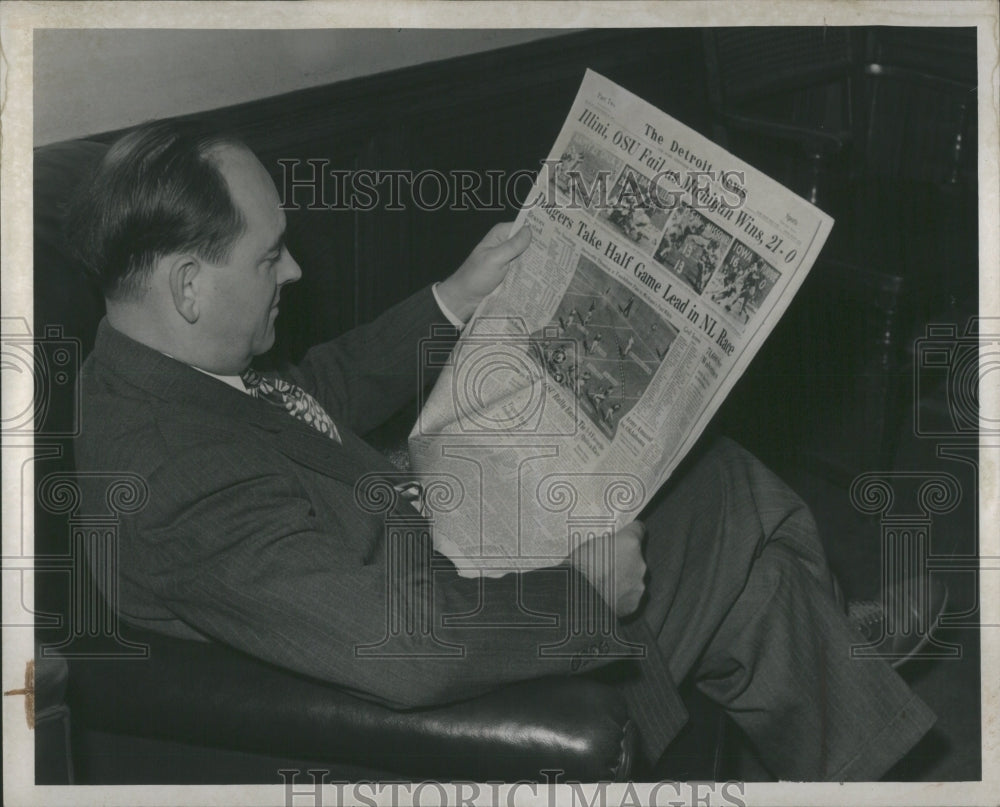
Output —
(210, 695)
(811, 139)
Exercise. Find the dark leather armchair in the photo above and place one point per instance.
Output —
(205, 713)
(149, 709)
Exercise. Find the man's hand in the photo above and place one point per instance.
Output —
(483, 270)
(627, 567)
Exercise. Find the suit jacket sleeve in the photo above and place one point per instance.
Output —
(233, 548)
(365, 375)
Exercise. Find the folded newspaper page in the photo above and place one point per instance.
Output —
(659, 264)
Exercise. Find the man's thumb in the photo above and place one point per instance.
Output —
(634, 529)
(507, 250)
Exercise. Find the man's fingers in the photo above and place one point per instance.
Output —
(629, 603)
(510, 248)
(634, 529)
(499, 233)
(630, 568)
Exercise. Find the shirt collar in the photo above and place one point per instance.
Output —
(233, 381)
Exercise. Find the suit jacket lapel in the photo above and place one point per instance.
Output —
(176, 383)
(304, 445)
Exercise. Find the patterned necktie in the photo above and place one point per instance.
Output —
(412, 493)
(293, 399)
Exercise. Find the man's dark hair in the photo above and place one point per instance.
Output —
(157, 191)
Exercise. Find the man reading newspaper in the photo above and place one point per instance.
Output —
(254, 535)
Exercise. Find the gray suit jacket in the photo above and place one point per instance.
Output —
(252, 535)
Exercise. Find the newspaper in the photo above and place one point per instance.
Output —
(659, 264)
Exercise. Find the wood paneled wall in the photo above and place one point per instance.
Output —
(496, 111)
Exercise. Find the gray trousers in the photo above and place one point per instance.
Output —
(740, 598)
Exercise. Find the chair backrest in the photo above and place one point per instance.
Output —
(63, 296)
(749, 64)
(67, 310)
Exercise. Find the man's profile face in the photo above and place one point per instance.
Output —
(240, 301)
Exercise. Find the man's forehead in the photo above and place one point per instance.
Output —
(250, 185)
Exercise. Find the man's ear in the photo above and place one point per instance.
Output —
(183, 275)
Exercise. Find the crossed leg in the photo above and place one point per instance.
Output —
(740, 598)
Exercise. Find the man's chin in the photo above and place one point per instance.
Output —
(267, 342)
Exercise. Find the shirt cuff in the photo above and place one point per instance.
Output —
(445, 310)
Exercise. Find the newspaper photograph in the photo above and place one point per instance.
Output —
(659, 264)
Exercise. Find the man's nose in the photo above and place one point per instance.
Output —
(289, 270)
